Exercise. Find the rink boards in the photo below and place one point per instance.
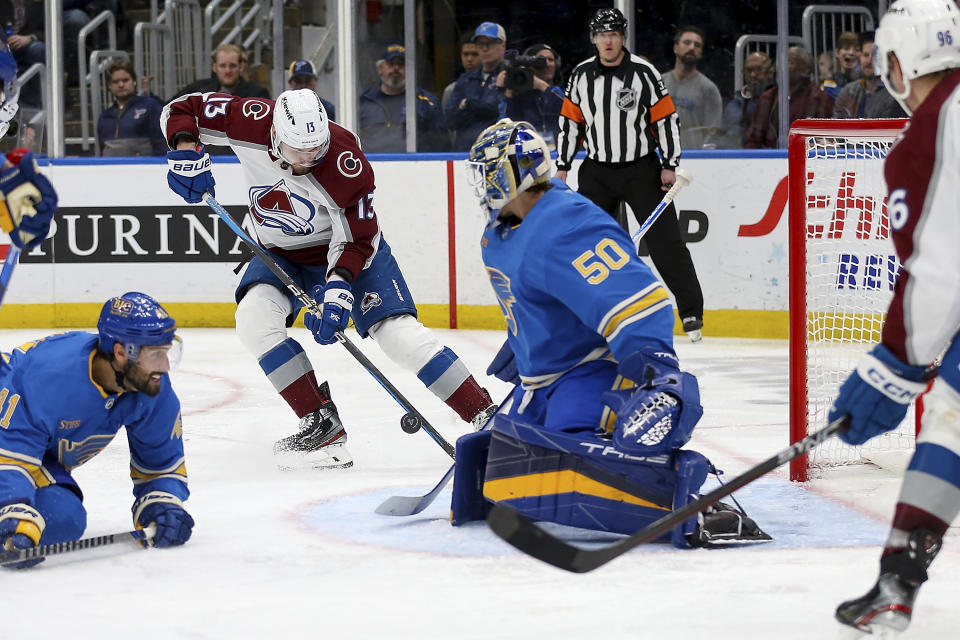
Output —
(120, 228)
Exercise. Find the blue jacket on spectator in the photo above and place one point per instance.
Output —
(481, 109)
(383, 121)
(133, 130)
(539, 108)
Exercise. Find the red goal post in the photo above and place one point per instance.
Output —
(842, 270)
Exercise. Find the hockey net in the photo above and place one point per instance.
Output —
(842, 270)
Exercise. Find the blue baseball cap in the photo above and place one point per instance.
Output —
(490, 30)
(394, 51)
(302, 68)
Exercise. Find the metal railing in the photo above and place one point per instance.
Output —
(86, 74)
(257, 17)
(39, 117)
(821, 24)
(153, 56)
(748, 44)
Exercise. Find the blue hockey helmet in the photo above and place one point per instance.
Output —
(134, 320)
(507, 159)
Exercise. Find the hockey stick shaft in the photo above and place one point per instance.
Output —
(412, 505)
(684, 178)
(9, 263)
(140, 536)
(312, 305)
(523, 533)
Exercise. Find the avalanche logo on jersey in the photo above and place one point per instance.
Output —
(501, 286)
(276, 207)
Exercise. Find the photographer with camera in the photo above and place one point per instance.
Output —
(475, 102)
(531, 91)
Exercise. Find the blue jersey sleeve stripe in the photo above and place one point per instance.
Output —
(632, 312)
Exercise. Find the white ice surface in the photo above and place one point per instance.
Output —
(290, 555)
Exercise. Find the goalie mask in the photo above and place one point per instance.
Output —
(136, 320)
(300, 135)
(507, 159)
(925, 37)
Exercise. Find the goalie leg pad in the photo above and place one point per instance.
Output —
(468, 503)
(577, 480)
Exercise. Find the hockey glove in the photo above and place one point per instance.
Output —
(174, 524)
(189, 175)
(876, 395)
(28, 201)
(504, 365)
(658, 416)
(20, 528)
(337, 301)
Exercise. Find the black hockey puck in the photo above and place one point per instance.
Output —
(410, 423)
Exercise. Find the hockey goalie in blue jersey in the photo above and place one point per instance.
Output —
(594, 434)
(63, 398)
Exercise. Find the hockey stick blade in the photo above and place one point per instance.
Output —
(684, 178)
(524, 534)
(312, 305)
(140, 536)
(412, 505)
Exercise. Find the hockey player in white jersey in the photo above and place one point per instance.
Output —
(917, 54)
(311, 192)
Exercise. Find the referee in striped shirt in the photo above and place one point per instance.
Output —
(617, 106)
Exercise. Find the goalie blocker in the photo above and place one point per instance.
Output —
(581, 481)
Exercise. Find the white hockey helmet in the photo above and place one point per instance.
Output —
(925, 37)
(300, 134)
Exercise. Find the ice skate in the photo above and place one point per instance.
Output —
(692, 326)
(319, 442)
(888, 606)
(480, 420)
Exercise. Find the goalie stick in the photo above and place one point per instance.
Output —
(140, 536)
(523, 533)
(412, 505)
(684, 178)
(13, 255)
(312, 305)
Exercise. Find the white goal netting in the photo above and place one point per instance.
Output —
(849, 272)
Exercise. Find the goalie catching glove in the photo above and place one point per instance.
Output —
(174, 524)
(877, 394)
(658, 416)
(27, 201)
(21, 527)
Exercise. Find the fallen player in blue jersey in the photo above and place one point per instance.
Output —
(594, 434)
(63, 398)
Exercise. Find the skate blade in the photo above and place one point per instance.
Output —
(334, 456)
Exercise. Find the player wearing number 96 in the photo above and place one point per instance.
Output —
(595, 433)
(310, 196)
(63, 399)
(917, 55)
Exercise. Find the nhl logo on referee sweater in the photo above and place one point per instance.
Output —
(626, 99)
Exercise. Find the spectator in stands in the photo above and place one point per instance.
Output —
(23, 22)
(475, 102)
(806, 101)
(228, 63)
(303, 76)
(827, 67)
(383, 110)
(130, 126)
(848, 64)
(758, 75)
(540, 103)
(866, 97)
(695, 97)
(469, 60)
